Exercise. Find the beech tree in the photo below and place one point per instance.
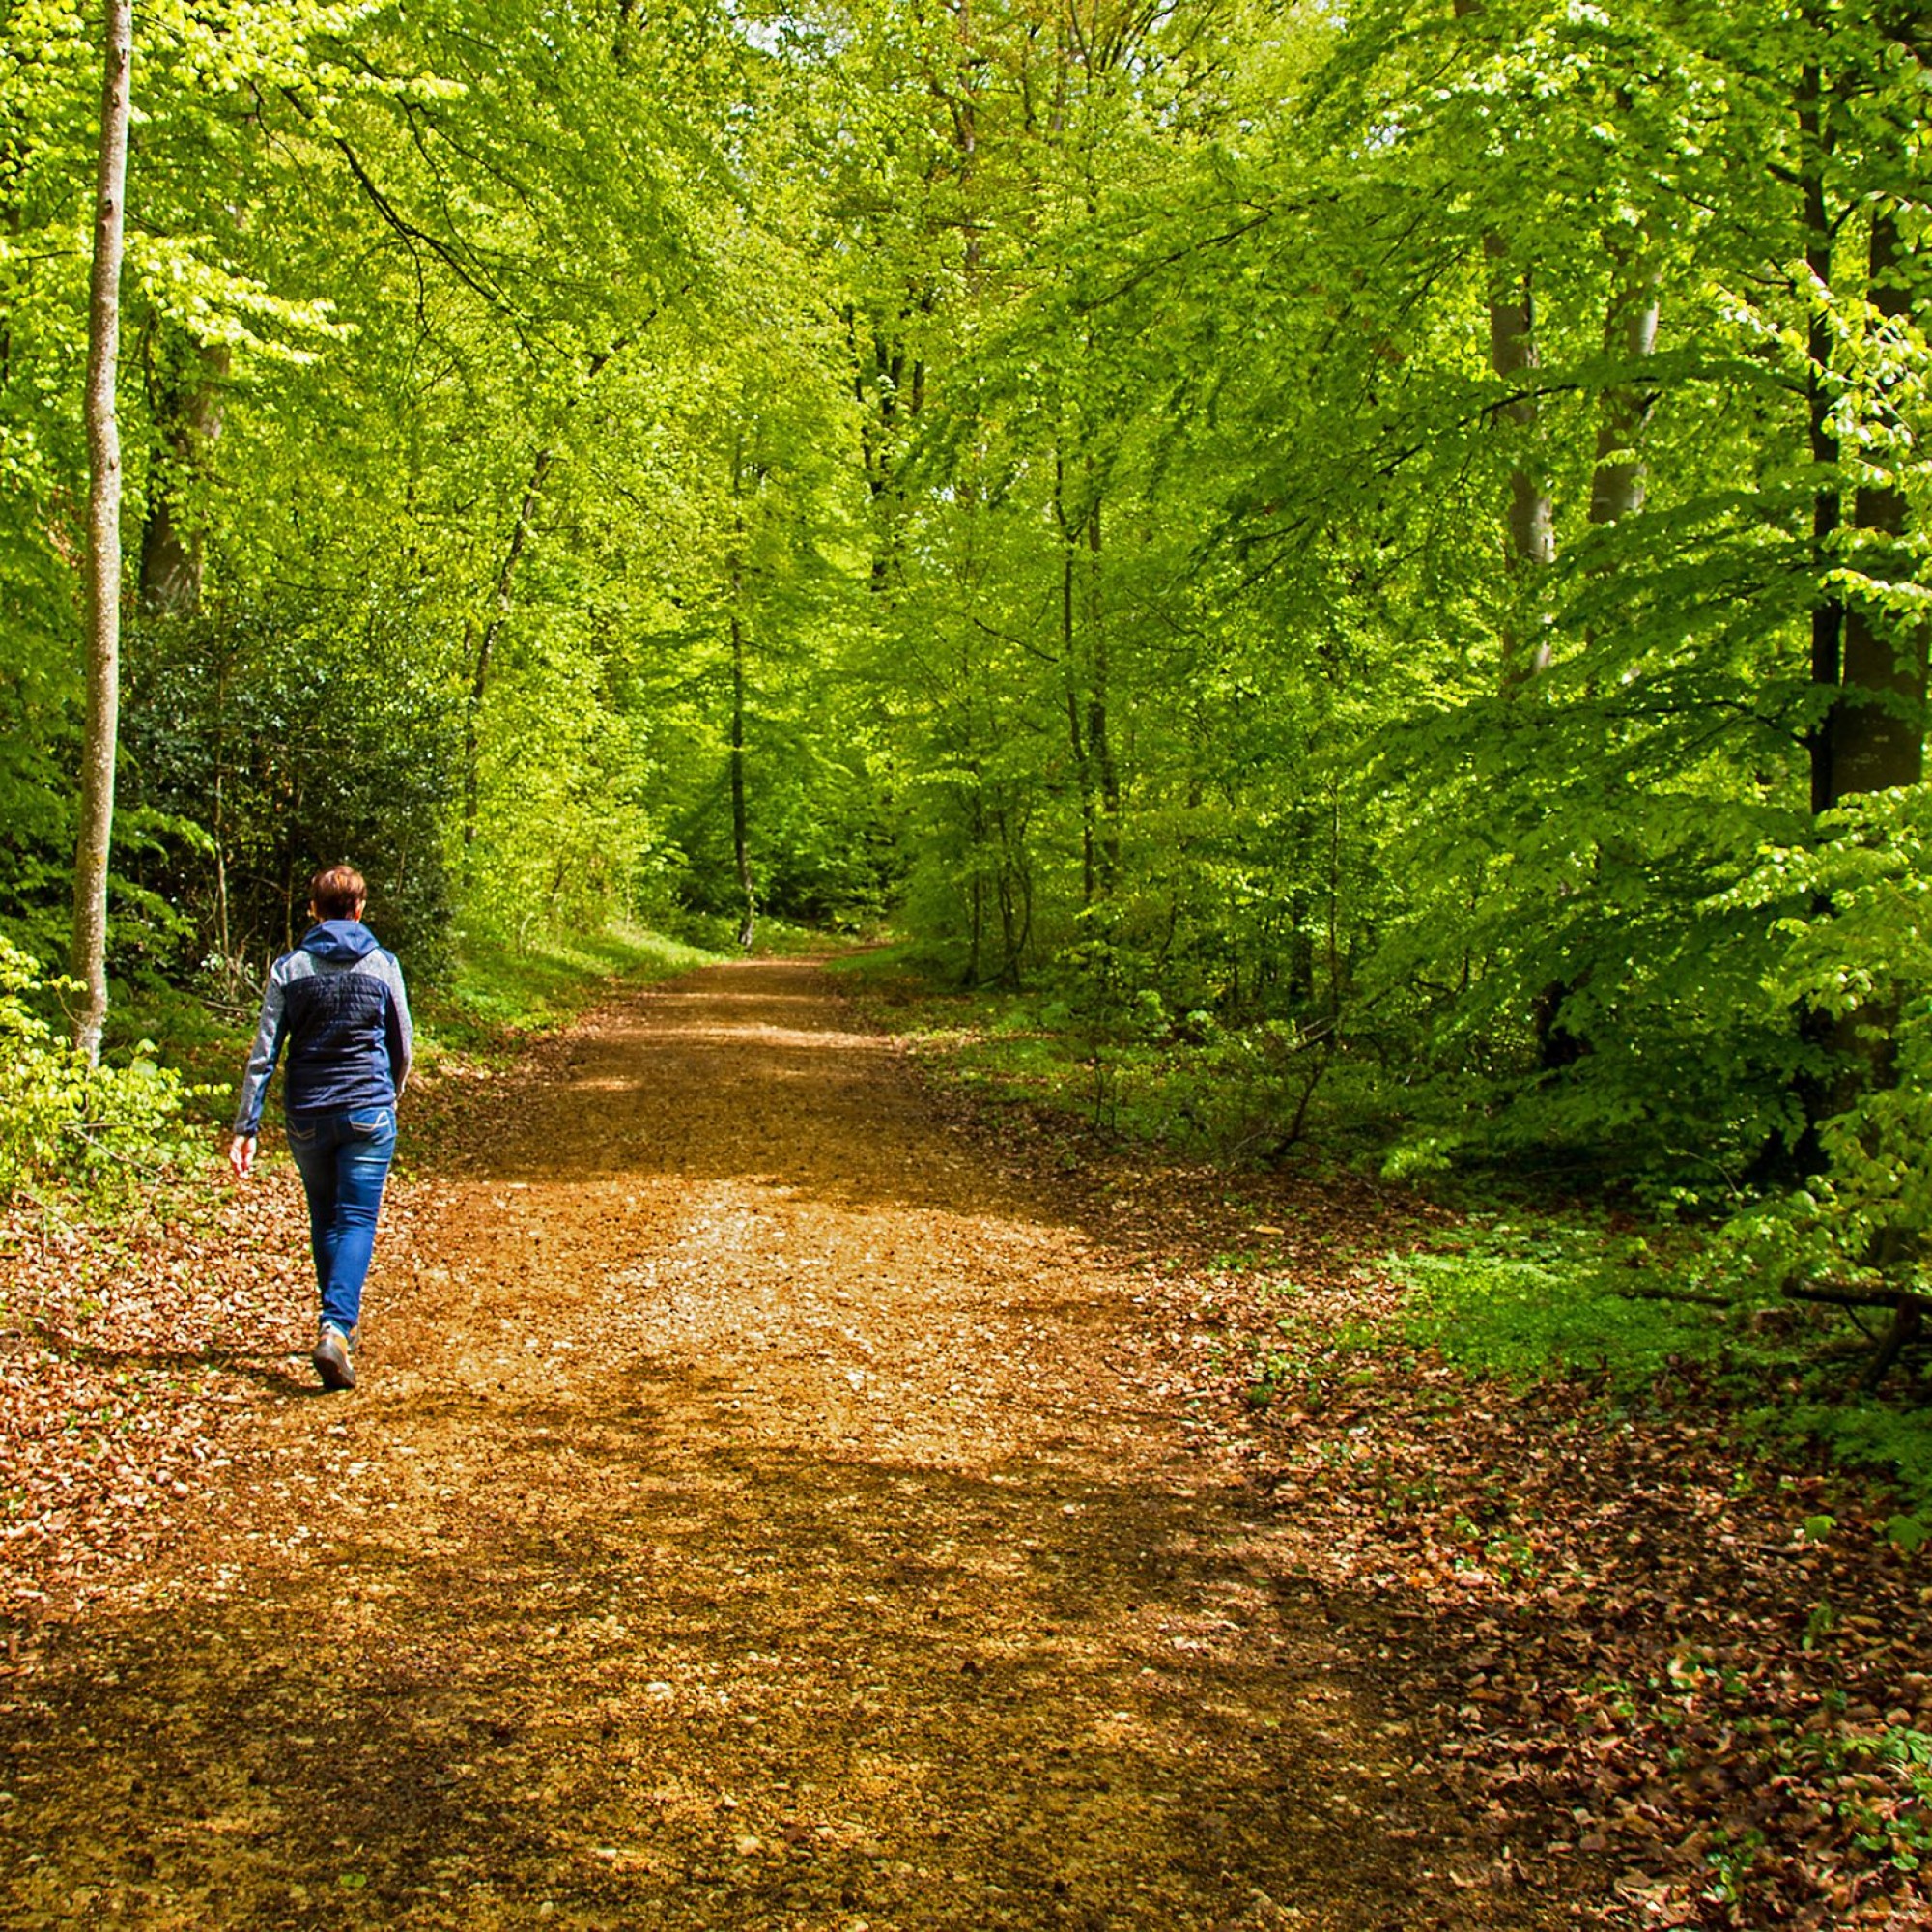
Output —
(103, 534)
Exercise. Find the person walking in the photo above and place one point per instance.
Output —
(337, 1002)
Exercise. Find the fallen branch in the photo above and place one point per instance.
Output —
(1704, 1301)
(1908, 1320)
(1840, 1296)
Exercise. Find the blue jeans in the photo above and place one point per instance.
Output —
(344, 1159)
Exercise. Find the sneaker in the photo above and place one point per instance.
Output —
(333, 1362)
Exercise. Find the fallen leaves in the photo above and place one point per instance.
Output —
(1609, 1659)
(133, 1352)
(1629, 1662)
(1647, 1667)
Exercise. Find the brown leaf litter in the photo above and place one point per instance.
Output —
(769, 1502)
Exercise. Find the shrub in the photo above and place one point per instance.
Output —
(62, 1119)
(1857, 929)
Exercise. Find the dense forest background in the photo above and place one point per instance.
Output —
(1369, 561)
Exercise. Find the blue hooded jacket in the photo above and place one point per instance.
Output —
(338, 1003)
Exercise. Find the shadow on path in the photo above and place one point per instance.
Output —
(753, 1515)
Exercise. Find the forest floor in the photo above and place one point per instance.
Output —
(774, 1500)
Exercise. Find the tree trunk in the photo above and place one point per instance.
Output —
(1876, 727)
(1630, 334)
(741, 849)
(734, 584)
(479, 678)
(1532, 511)
(1099, 736)
(89, 959)
(1070, 634)
(1817, 1092)
(975, 896)
(1617, 484)
(1828, 615)
(10, 226)
(966, 134)
(1097, 771)
(1875, 732)
(186, 395)
(1013, 887)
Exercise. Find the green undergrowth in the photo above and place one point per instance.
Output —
(1126, 1068)
(1519, 1299)
(501, 991)
(105, 1130)
(717, 934)
(1517, 1292)
(1129, 1065)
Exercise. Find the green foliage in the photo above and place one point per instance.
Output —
(1524, 1299)
(498, 990)
(1855, 913)
(262, 744)
(1889, 1807)
(1907, 1533)
(1523, 1302)
(629, 465)
(104, 1129)
(1860, 1432)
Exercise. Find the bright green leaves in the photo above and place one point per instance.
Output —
(60, 1118)
(1062, 467)
(1853, 912)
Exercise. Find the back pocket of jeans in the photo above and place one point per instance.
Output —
(368, 1125)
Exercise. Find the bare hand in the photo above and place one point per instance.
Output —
(242, 1155)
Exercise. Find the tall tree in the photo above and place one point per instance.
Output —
(89, 958)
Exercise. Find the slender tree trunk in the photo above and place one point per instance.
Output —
(1334, 934)
(1014, 889)
(224, 938)
(184, 386)
(1099, 736)
(1532, 513)
(104, 538)
(1877, 722)
(1619, 479)
(1096, 771)
(966, 132)
(1070, 634)
(10, 225)
(1828, 615)
(1532, 509)
(493, 631)
(976, 905)
(741, 848)
(734, 583)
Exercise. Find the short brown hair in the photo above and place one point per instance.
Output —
(337, 892)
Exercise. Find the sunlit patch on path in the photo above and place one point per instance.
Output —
(756, 1512)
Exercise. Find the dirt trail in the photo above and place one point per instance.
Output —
(755, 1513)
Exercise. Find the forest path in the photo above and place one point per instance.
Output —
(756, 1512)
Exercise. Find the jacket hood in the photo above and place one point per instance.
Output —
(339, 939)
